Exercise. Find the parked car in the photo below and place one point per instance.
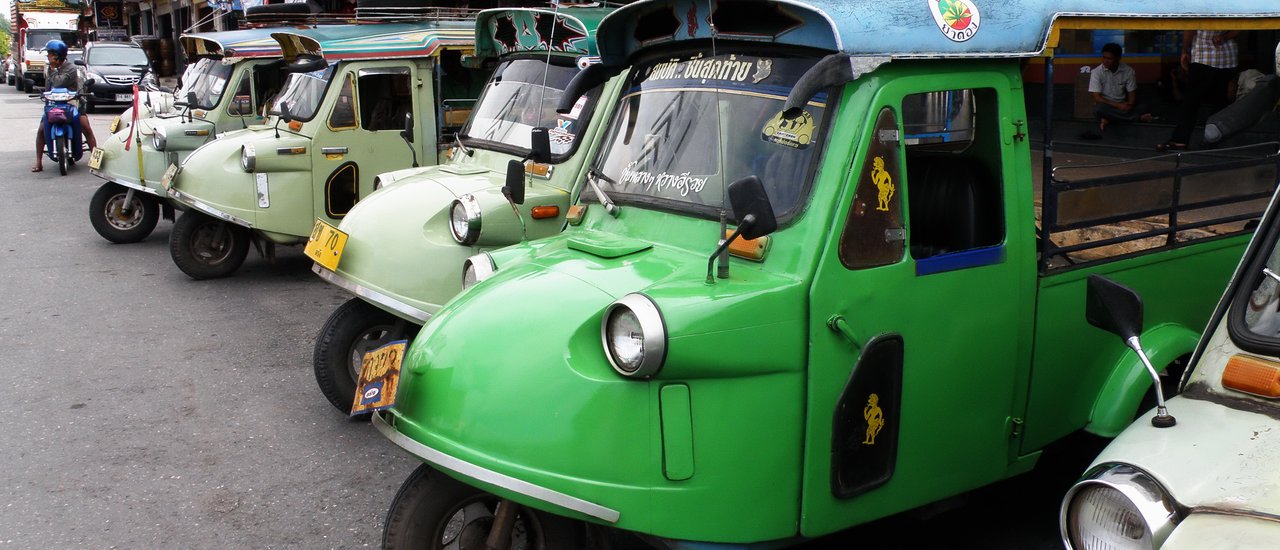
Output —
(114, 67)
(10, 71)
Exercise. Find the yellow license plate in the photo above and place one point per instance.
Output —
(325, 245)
(115, 124)
(95, 158)
(379, 378)
(166, 181)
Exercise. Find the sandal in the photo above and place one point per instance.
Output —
(1171, 146)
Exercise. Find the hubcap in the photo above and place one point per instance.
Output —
(120, 218)
(468, 528)
(207, 247)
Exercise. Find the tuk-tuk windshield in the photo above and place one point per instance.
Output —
(515, 100)
(208, 80)
(689, 126)
(303, 93)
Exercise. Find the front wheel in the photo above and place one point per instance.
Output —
(355, 328)
(435, 511)
(121, 222)
(206, 248)
(62, 154)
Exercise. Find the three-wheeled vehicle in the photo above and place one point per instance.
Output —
(231, 76)
(807, 290)
(1200, 471)
(402, 246)
(364, 99)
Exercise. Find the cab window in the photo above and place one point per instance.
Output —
(242, 102)
(344, 109)
(385, 98)
(267, 82)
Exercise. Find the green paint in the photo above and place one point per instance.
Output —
(677, 432)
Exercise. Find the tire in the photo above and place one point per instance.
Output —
(114, 225)
(430, 512)
(353, 329)
(62, 155)
(192, 246)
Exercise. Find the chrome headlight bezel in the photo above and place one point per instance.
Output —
(653, 336)
(465, 212)
(159, 139)
(477, 268)
(248, 157)
(1153, 505)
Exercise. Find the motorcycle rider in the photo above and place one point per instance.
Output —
(60, 74)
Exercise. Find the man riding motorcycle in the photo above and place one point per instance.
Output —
(61, 74)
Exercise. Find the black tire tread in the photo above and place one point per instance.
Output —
(333, 344)
(184, 258)
(98, 209)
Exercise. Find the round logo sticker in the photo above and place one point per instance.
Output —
(957, 19)
(371, 393)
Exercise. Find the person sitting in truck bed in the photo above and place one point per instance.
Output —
(1114, 87)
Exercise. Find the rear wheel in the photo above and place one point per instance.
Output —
(62, 155)
(206, 248)
(435, 511)
(119, 221)
(355, 328)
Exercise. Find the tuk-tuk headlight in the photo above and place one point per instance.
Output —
(248, 158)
(634, 336)
(464, 220)
(1117, 506)
(477, 268)
(159, 139)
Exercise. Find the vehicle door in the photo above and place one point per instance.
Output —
(922, 302)
(361, 137)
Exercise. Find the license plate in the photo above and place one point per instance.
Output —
(124, 97)
(325, 245)
(166, 181)
(379, 378)
(115, 124)
(95, 158)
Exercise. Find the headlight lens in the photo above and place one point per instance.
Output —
(1117, 506)
(248, 158)
(159, 139)
(464, 220)
(477, 268)
(634, 336)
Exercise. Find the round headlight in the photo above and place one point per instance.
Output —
(464, 220)
(159, 139)
(248, 158)
(634, 336)
(1116, 506)
(477, 268)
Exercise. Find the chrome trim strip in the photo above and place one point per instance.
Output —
(405, 310)
(290, 150)
(130, 185)
(485, 475)
(201, 206)
(333, 150)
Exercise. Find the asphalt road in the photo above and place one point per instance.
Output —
(143, 409)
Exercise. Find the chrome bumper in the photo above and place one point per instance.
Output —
(407, 311)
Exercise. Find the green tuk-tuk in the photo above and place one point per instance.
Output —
(814, 284)
(360, 100)
(134, 157)
(403, 245)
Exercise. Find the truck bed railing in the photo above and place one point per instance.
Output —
(1168, 186)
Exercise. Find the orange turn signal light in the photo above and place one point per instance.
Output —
(1252, 375)
(295, 125)
(748, 249)
(575, 214)
(544, 212)
(537, 169)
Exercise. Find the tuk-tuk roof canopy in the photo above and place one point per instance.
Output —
(913, 28)
(376, 40)
(570, 30)
(228, 44)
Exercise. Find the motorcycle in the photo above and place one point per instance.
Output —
(63, 137)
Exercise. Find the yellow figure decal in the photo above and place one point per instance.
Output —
(872, 413)
(884, 183)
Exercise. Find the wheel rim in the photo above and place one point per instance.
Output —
(124, 221)
(369, 340)
(467, 526)
(204, 245)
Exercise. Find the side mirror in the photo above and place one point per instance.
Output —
(514, 189)
(583, 82)
(407, 133)
(540, 145)
(89, 82)
(752, 208)
(79, 62)
(285, 115)
(1113, 307)
(191, 99)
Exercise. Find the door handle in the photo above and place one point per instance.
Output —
(839, 325)
(333, 150)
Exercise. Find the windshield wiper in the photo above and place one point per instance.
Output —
(457, 138)
(609, 205)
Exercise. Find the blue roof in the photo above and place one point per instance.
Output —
(899, 28)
